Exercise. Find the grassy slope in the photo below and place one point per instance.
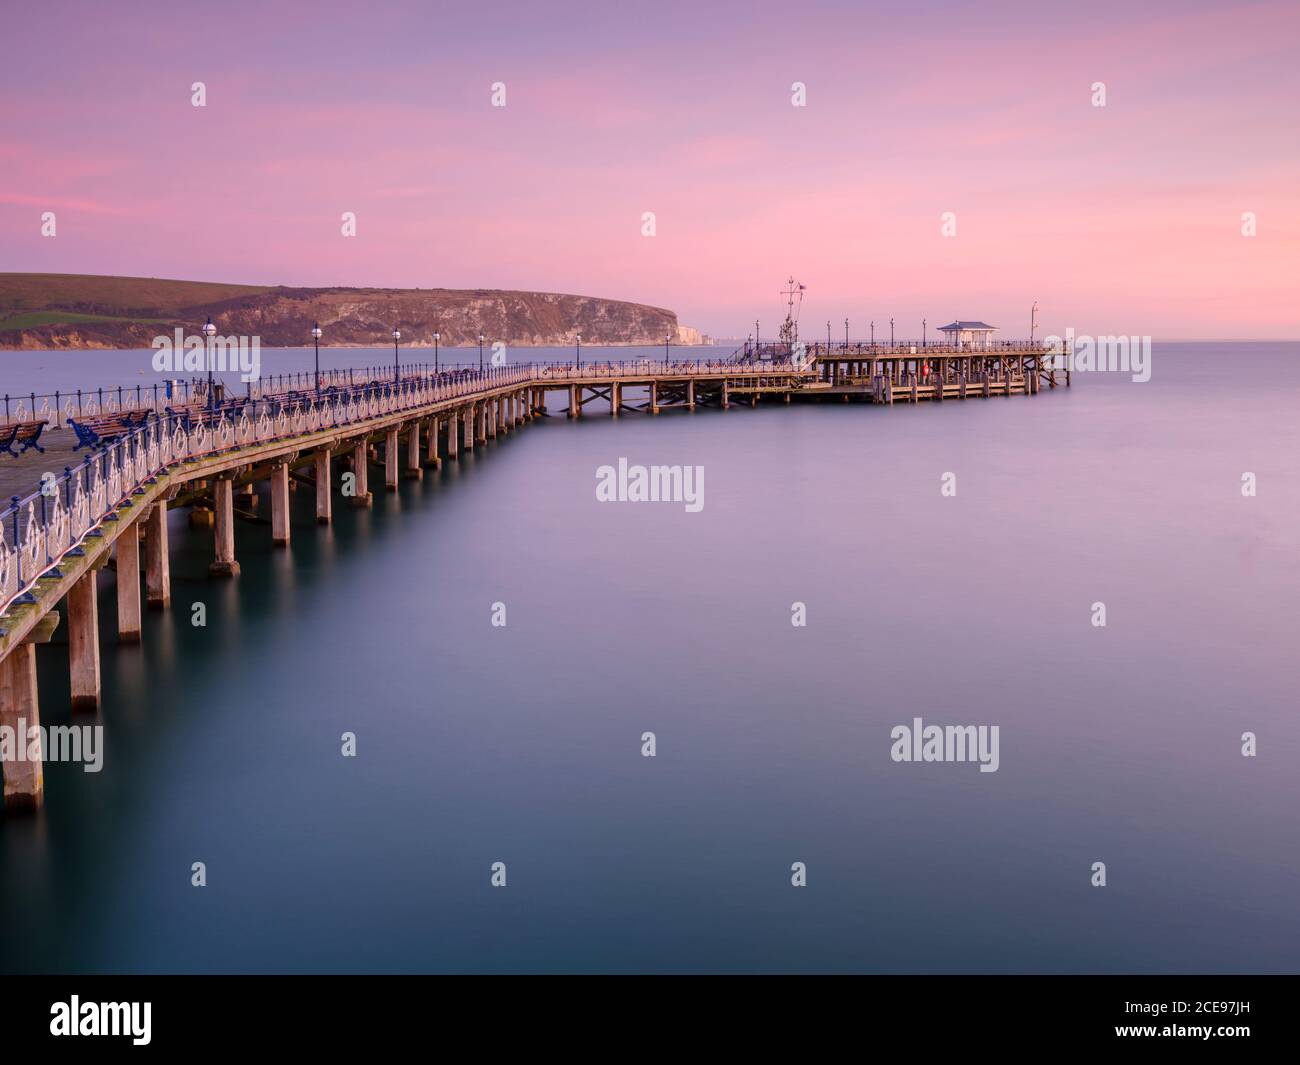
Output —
(133, 298)
(31, 319)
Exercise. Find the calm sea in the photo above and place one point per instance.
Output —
(522, 744)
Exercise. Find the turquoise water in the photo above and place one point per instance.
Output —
(522, 744)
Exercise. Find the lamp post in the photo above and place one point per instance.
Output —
(579, 343)
(828, 336)
(1033, 321)
(436, 337)
(922, 332)
(667, 337)
(891, 332)
(209, 331)
(846, 334)
(755, 337)
(873, 334)
(315, 337)
(480, 353)
(397, 366)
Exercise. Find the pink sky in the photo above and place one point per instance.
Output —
(1122, 219)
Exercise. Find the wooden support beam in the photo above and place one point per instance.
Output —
(157, 559)
(324, 490)
(390, 460)
(361, 474)
(690, 394)
(83, 641)
(470, 418)
(20, 715)
(414, 467)
(127, 550)
(431, 456)
(223, 498)
(280, 524)
(615, 398)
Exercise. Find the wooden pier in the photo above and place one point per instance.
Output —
(910, 372)
(55, 540)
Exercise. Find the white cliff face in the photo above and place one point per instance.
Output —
(687, 335)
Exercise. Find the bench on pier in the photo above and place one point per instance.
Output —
(103, 430)
(188, 415)
(28, 434)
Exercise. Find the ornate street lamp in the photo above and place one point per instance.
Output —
(891, 332)
(480, 353)
(922, 332)
(397, 366)
(315, 336)
(436, 338)
(667, 337)
(579, 342)
(209, 331)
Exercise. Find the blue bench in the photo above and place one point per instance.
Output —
(102, 431)
(28, 434)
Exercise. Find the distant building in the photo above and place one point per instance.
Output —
(973, 335)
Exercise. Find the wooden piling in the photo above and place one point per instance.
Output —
(361, 474)
(223, 495)
(20, 713)
(431, 456)
(157, 559)
(83, 642)
(390, 460)
(414, 467)
(280, 504)
(324, 493)
(127, 550)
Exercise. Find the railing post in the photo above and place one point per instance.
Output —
(13, 502)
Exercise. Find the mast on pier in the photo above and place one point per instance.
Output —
(794, 303)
